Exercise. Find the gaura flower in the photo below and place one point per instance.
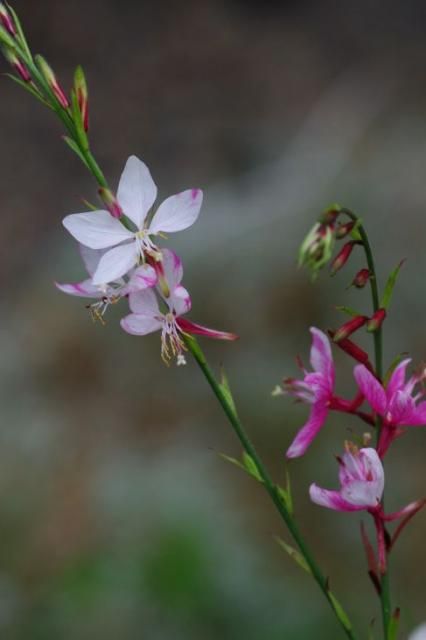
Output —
(419, 633)
(127, 247)
(361, 479)
(395, 403)
(316, 389)
(138, 279)
(147, 316)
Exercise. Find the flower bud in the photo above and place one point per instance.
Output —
(342, 257)
(352, 349)
(344, 229)
(6, 20)
(111, 202)
(376, 320)
(52, 81)
(361, 278)
(16, 63)
(317, 248)
(329, 216)
(349, 328)
(80, 87)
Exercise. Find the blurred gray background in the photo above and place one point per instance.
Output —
(117, 516)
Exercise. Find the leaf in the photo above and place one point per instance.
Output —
(390, 284)
(340, 612)
(226, 391)
(285, 494)
(393, 625)
(28, 87)
(251, 467)
(349, 311)
(74, 146)
(355, 234)
(294, 553)
(233, 461)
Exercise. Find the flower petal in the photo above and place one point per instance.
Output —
(362, 494)
(197, 329)
(173, 268)
(397, 379)
(96, 229)
(177, 212)
(144, 302)
(140, 325)
(179, 300)
(371, 389)
(417, 416)
(308, 432)
(91, 257)
(115, 263)
(321, 357)
(330, 499)
(142, 277)
(137, 191)
(84, 289)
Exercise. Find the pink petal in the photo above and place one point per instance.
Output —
(137, 191)
(96, 229)
(397, 379)
(371, 389)
(308, 432)
(116, 263)
(173, 269)
(362, 494)
(321, 357)
(177, 212)
(330, 499)
(142, 277)
(84, 289)
(91, 258)
(197, 329)
(140, 325)
(144, 302)
(417, 417)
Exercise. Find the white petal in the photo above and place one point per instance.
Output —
(141, 278)
(173, 269)
(137, 191)
(91, 258)
(116, 263)
(144, 302)
(177, 212)
(180, 300)
(96, 229)
(140, 325)
(84, 289)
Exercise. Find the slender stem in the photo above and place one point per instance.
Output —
(385, 597)
(268, 483)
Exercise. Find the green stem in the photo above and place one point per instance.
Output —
(385, 597)
(268, 483)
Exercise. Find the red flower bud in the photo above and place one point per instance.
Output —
(352, 350)
(111, 202)
(376, 320)
(361, 278)
(6, 20)
(52, 81)
(329, 216)
(16, 63)
(349, 327)
(344, 229)
(342, 257)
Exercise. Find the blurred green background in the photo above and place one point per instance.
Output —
(117, 516)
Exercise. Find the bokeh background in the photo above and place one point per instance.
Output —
(117, 516)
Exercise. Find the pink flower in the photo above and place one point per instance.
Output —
(147, 317)
(316, 389)
(140, 278)
(396, 403)
(362, 480)
(127, 247)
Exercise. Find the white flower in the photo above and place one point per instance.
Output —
(127, 247)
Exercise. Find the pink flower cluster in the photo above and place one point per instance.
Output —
(122, 259)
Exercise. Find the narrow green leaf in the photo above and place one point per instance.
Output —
(294, 553)
(394, 625)
(90, 206)
(251, 467)
(226, 390)
(233, 461)
(355, 234)
(78, 121)
(28, 87)
(74, 146)
(349, 311)
(340, 612)
(21, 37)
(390, 284)
(7, 40)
